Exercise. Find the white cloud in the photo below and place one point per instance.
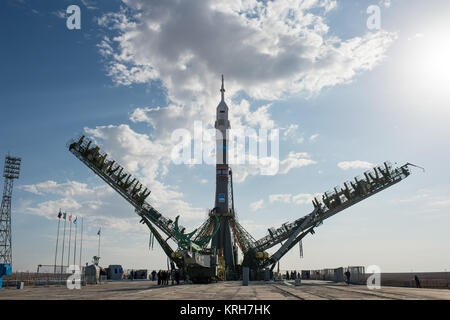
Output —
(357, 164)
(314, 137)
(50, 209)
(266, 49)
(284, 198)
(426, 203)
(77, 199)
(292, 161)
(127, 225)
(102, 206)
(254, 206)
(90, 4)
(386, 3)
(70, 188)
(301, 198)
(295, 160)
(290, 134)
(440, 203)
(416, 36)
(60, 14)
(290, 130)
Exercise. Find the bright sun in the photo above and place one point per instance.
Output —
(428, 58)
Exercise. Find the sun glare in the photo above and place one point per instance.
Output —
(429, 59)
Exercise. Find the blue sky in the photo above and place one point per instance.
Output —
(369, 96)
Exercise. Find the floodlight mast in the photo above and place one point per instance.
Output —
(11, 172)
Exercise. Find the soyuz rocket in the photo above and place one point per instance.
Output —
(222, 240)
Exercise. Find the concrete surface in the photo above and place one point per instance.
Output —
(147, 290)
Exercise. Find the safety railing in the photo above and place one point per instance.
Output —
(120, 180)
(337, 200)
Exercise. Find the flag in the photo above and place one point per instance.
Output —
(64, 215)
(59, 214)
(98, 233)
(75, 221)
(70, 218)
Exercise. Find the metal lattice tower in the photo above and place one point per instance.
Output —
(11, 172)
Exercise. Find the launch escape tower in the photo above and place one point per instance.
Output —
(221, 230)
(10, 173)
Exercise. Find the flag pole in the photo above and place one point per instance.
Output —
(70, 236)
(64, 240)
(75, 245)
(99, 235)
(278, 270)
(81, 240)
(57, 238)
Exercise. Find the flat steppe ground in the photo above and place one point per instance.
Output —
(233, 290)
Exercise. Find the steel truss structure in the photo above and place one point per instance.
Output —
(10, 173)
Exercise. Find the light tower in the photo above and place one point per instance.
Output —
(11, 172)
(223, 208)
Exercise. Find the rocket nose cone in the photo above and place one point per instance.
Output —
(222, 105)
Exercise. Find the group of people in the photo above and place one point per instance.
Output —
(292, 275)
(163, 277)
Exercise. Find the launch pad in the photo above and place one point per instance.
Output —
(228, 290)
(211, 251)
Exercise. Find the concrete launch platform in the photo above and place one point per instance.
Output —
(147, 290)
